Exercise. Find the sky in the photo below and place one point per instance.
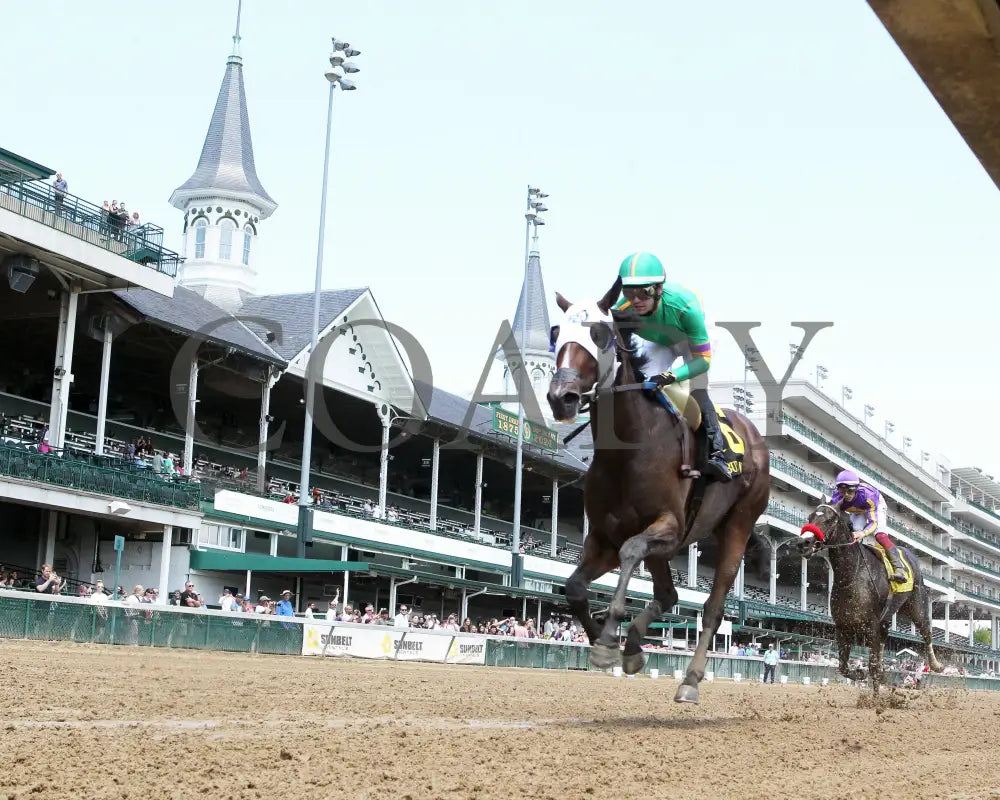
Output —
(782, 159)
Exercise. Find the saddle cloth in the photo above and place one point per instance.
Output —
(895, 588)
(676, 398)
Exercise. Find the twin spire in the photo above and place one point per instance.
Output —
(226, 168)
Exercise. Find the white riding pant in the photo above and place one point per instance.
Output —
(661, 358)
(858, 521)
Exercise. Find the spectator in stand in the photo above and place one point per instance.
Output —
(99, 595)
(393, 514)
(59, 189)
(520, 630)
(227, 601)
(284, 607)
(168, 465)
(450, 624)
(467, 626)
(189, 597)
(136, 597)
(310, 612)
(262, 606)
(369, 616)
(383, 617)
(157, 463)
(48, 581)
(83, 591)
(149, 596)
(550, 626)
(402, 619)
(347, 615)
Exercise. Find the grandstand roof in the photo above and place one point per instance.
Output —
(978, 479)
(538, 320)
(227, 164)
(294, 313)
(189, 313)
(16, 168)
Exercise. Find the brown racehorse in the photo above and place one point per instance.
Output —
(636, 500)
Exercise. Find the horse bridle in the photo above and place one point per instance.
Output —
(837, 514)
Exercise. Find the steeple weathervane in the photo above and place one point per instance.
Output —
(236, 36)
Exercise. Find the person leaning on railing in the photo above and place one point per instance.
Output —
(48, 581)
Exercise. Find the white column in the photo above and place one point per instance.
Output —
(164, 584)
(192, 401)
(524, 608)
(298, 594)
(62, 377)
(829, 591)
(392, 597)
(102, 399)
(435, 466)
(947, 622)
(692, 566)
(343, 557)
(246, 590)
(804, 593)
(554, 543)
(274, 544)
(972, 623)
(50, 536)
(994, 631)
(895, 624)
(265, 411)
(740, 577)
(465, 606)
(773, 580)
(478, 506)
(383, 472)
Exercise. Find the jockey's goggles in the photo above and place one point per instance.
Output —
(639, 292)
(846, 487)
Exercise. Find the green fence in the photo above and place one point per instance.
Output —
(25, 616)
(70, 620)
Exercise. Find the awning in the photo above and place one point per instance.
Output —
(259, 562)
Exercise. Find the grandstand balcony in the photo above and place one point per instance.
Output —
(76, 237)
(88, 473)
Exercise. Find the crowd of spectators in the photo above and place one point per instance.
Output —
(118, 218)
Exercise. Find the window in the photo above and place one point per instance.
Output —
(227, 226)
(222, 536)
(247, 238)
(200, 226)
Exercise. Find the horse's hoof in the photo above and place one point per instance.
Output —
(603, 656)
(631, 664)
(686, 694)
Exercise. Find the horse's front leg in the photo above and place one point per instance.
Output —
(605, 651)
(875, 644)
(596, 560)
(844, 650)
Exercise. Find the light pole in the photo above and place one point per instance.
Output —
(845, 395)
(533, 209)
(335, 75)
(821, 374)
(889, 428)
(907, 441)
(869, 412)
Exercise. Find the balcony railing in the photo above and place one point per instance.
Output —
(27, 464)
(91, 223)
(797, 426)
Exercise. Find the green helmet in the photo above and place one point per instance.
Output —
(641, 269)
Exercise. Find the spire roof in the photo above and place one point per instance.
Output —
(538, 319)
(226, 166)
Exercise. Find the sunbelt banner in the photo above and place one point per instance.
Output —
(398, 644)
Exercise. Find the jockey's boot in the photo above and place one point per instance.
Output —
(899, 573)
(715, 463)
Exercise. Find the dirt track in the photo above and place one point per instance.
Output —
(95, 722)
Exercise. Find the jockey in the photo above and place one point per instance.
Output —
(867, 509)
(672, 325)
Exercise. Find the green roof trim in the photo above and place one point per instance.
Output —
(14, 168)
(259, 562)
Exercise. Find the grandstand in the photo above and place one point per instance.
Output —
(154, 396)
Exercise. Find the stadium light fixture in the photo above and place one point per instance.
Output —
(335, 76)
(869, 412)
(846, 393)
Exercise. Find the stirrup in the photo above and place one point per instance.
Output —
(687, 471)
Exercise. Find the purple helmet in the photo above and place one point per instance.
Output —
(848, 478)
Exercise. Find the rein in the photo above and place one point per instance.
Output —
(861, 557)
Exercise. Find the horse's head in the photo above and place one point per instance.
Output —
(826, 525)
(586, 353)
